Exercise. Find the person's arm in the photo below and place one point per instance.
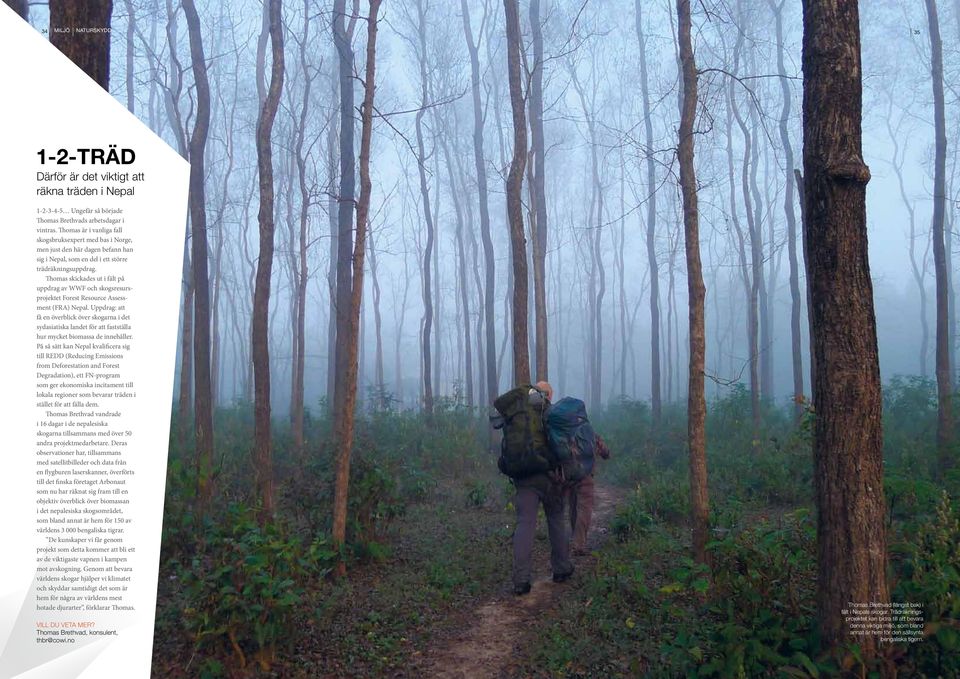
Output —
(601, 447)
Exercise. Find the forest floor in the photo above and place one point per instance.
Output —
(492, 637)
(439, 604)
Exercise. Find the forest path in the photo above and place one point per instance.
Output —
(489, 646)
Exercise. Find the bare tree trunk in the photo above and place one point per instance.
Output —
(203, 409)
(342, 38)
(944, 376)
(216, 332)
(128, 76)
(789, 211)
(470, 231)
(262, 445)
(538, 190)
(622, 276)
(489, 289)
(745, 273)
(464, 307)
(764, 320)
(381, 388)
(597, 274)
(88, 49)
(756, 262)
(400, 313)
(919, 271)
(427, 289)
(437, 283)
(300, 310)
(696, 404)
(848, 440)
(671, 315)
(332, 217)
(216, 381)
(185, 400)
(345, 423)
(655, 361)
(521, 357)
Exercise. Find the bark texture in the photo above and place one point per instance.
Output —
(696, 403)
(345, 423)
(538, 192)
(851, 531)
(489, 280)
(203, 393)
(81, 30)
(262, 447)
(651, 235)
(940, 264)
(521, 356)
(789, 209)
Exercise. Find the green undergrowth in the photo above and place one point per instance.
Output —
(428, 540)
(239, 598)
(647, 610)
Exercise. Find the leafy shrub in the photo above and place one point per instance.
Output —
(630, 521)
(374, 499)
(478, 492)
(243, 586)
(666, 497)
(909, 498)
(759, 603)
(930, 575)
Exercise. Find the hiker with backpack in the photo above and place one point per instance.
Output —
(526, 458)
(574, 445)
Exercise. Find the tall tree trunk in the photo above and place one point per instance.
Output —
(597, 274)
(300, 310)
(538, 190)
(400, 314)
(342, 39)
(427, 288)
(489, 289)
(521, 357)
(128, 76)
(262, 446)
(944, 376)
(764, 320)
(437, 286)
(756, 266)
(203, 409)
(88, 49)
(464, 307)
(749, 289)
(332, 218)
(655, 405)
(185, 399)
(696, 404)
(345, 423)
(919, 271)
(790, 212)
(848, 440)
(473, 248)
(621, 277)
(381, 387)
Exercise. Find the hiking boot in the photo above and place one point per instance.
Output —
(521, 589)
(562, 577)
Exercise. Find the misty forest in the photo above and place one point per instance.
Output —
(400, 210)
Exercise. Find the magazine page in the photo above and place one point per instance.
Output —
(479, 339)
(94, 207)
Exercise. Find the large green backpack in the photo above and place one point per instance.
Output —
(523, 449)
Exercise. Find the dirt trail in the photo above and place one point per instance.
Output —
(488, 648)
